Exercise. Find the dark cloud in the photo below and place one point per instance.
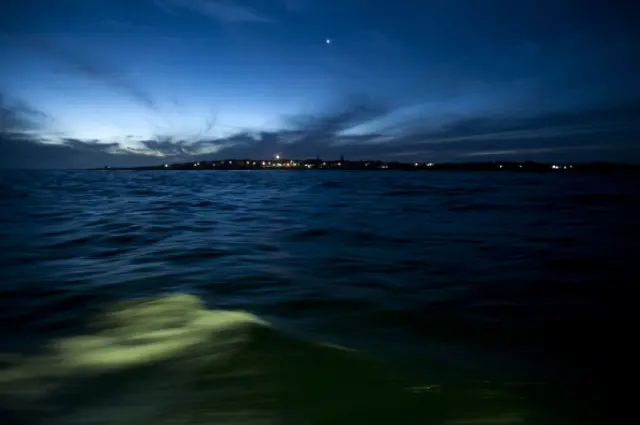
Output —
(17, 116)
(613, 119)
(25, 143)
(353, 111)
(91, 146)
(616, 127)
(179, 148)
(606, 133)
(19, 152)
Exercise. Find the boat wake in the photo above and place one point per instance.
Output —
(169, 360)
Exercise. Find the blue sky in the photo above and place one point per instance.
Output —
(85, 82)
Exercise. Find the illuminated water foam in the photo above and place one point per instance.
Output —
(171, 361)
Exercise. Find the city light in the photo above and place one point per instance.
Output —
(308, 163)
(340, 164)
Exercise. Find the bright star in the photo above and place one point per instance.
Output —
(328, 41)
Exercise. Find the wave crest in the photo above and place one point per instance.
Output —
(170, 360)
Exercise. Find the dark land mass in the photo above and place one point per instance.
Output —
(317, 164)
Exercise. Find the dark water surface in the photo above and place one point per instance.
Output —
(462, 297)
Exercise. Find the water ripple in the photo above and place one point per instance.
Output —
(409, 249)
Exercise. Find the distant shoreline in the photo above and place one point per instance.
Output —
(309, 165)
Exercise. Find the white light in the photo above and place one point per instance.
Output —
(166, 165)
(501, 166)
(519, 166)
(277, 156)
(328, 40)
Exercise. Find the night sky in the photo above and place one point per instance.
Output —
(88, 83)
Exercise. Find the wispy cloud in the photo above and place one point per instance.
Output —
(535, 151)
(218, 10)
(93, 68)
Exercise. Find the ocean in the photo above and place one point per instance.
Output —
(315, 297)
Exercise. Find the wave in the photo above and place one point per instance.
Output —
(169, 360)
(331, 184)
(405, 192)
